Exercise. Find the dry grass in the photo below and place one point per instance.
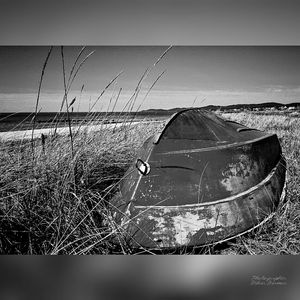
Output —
(47, 208)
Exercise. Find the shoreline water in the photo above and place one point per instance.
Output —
(27, 134)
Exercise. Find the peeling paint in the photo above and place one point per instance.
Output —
(236, 174)
(173, 226)
(186, 225)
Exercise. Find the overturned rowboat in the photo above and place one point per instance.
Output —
(201, 180)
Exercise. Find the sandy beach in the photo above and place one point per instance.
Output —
(26, 134)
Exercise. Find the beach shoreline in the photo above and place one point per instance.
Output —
(27, 134)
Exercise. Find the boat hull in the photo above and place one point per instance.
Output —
(202, 180)
(162, 227)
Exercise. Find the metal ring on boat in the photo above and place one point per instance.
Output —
(143, 167)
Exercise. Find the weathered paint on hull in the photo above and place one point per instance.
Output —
(206, 180)
(158, 227)
(201, 175)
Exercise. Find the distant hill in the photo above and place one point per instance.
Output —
(48, 117)
(222, 108)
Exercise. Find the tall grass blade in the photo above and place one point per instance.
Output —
(38, 98)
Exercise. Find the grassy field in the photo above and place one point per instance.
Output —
(54, 192)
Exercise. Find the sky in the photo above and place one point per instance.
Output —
(224, 52)
(203, 75)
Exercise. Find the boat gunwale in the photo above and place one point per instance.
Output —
(232, 145)
(227, 199)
